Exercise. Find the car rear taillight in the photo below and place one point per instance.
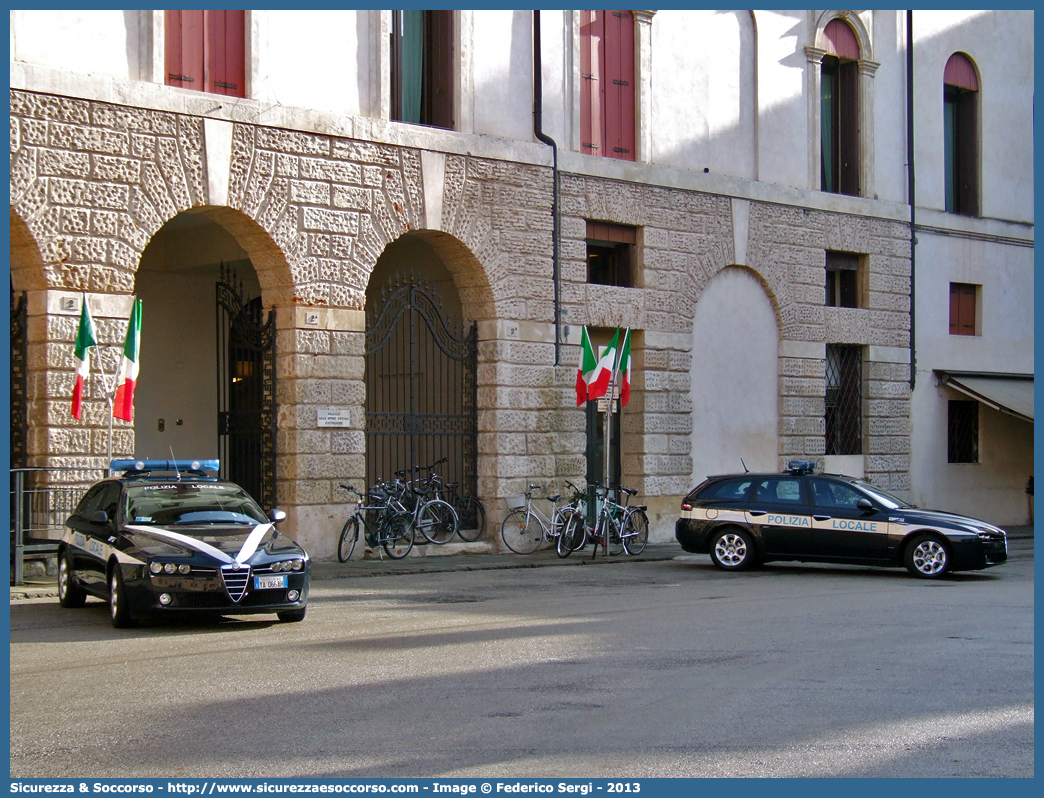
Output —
(686, 506)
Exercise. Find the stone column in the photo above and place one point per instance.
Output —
(56, 438)
(643, 84)
(813, 78)
(319, 366)
(802, 400)
(866, 127)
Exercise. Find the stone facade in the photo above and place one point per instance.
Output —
(92, 182)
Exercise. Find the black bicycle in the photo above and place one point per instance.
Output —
(384, 521)
(471, 514)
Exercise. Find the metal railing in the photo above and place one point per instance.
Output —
(41, 500)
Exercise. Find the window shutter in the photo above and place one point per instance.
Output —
(848, 128)
(828, 104)
(225, 43)
(967, 144)
(183, 49)
(967, 310)
(962, 309)
(618, 85)
(592, 40)
(437, 94)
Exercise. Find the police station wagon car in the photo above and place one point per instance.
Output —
(744, 519)
(178, 543)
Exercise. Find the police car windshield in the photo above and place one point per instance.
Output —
(887, 500)
(181, 503)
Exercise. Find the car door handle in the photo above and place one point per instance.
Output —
(758, 512)
(821, 517)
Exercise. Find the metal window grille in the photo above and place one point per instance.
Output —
(844, 406)
(962, 438)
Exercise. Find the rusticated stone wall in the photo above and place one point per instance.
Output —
(92, 182)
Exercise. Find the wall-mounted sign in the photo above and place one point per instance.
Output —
(333, 417)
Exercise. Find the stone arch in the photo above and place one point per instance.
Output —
(439, 355)
(27, 268)
(866, 52)
(469, 276)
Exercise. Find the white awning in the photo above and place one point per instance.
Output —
(1008, 393)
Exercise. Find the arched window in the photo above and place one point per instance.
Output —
(961, 135)
(839, 110)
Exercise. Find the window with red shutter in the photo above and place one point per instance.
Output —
(607, 98)
(960, 135)
(963, 302)
(839, 110)
(205, 51)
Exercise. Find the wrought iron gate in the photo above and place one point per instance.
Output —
(19, 384)
(246, 390)
(420, 385)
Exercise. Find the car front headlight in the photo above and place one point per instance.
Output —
(155, 567)
(297, 565)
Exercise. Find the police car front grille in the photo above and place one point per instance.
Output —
(235, 581)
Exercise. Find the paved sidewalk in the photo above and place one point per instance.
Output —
(455, 557)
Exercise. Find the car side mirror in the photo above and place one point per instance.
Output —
(98, 517)
(865, 505)
(275, 516)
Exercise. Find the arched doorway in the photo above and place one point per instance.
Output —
(420, 368)
(735, 382)
(207, 382)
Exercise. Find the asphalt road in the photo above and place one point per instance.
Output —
(629, 669)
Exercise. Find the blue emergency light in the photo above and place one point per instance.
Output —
(801, 467)
(164, 465)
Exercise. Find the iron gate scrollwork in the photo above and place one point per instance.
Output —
(420, 385)
(246, 390)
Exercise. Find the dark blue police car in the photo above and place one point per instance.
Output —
(744, 519)
(164, 539)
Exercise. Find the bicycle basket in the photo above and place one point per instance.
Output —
(515, 502)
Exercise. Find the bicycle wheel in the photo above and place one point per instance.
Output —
(521, 533)
(437, 521)
(636, 533)
(472, 517)
(610, 528)
(615, 538)
(350, 534)
(397, 539)
(573, 533)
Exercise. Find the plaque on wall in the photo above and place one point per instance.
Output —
(333, 417)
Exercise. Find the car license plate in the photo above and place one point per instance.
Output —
(269, 582)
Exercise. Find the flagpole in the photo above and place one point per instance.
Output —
(608, 439)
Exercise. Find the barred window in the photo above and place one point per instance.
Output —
(844, 406)
(962, 439)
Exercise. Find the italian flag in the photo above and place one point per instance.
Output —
(624, 368)
(123, 404)
(603, 375)
(84, 340)
(585, 372)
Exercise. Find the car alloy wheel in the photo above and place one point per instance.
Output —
(927, 557)
(70, 595)
(733, 550)
(118, 609)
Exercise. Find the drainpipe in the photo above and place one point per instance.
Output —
(538, 121)
(910, 169)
